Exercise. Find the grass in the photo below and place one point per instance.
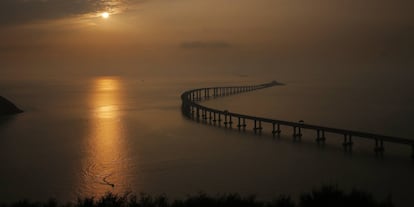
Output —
(330, 196)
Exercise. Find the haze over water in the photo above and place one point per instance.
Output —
(102, 96)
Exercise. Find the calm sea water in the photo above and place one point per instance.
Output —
(88, 136)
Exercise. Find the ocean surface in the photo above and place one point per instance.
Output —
(90, 135)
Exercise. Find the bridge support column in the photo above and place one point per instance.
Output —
(219, 118)
(192, 111)
(379, 146)
(202, 114)
(347, 141)
(244, 124)
(276, 129)
(344, 144)
(238, 123)
(205, 115)
(214, 117)
(412, 155)
(198, 113)
(350, 143)
(257, 128)
(320, 136)
(225, 119)
(297, 134)
(230, 121)
(260, 126)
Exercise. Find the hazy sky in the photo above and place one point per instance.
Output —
(70, 37)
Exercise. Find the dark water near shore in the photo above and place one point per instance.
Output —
(79, 137)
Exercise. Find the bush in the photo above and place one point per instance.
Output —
(326, 196)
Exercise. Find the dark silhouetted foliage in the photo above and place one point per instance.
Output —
(325, 196)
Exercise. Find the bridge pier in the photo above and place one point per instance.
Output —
(214, 117)
(257, 128)
(379, 146)
(297, 134)
(320, 136)
(192, 111)
(202, 114)
(219, 118)
(276, 130)
(205, 115)
(347, 141)
(412, 147)
(230, 122)
(198, 113)
(225, 119)
(260, 126)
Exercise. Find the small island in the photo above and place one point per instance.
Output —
(7, 107)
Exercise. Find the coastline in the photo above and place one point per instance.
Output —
(8, 108)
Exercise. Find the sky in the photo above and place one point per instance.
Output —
(61, 37)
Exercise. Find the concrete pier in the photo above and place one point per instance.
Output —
(192, 109)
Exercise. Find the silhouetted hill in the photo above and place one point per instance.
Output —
(7, 107)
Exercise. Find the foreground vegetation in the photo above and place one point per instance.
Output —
(325, 196)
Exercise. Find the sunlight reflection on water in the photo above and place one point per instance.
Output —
(104, 167)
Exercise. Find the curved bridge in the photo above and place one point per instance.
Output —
(193, 110)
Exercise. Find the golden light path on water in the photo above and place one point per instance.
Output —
(104, 167)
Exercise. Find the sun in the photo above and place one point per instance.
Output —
(105, 15)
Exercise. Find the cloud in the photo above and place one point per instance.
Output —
(205, 45)
(14, 12)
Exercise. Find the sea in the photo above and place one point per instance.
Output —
(85, 136)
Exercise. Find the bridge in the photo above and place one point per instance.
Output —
(192, 109)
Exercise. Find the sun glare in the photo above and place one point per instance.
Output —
(105, 15)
